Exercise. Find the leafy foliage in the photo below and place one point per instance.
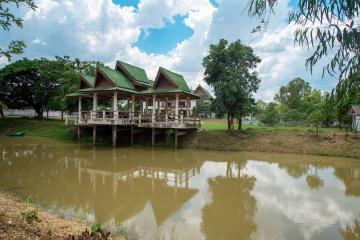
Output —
(8, 19)
(326, 26)
(42, 84)
(230, 70)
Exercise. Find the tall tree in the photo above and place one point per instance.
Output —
(230, 70)
(292, 99)
(326, 26)
(29, 83)
(8, 19)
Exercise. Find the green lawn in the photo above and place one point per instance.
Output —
(41, 128)
(221, 124)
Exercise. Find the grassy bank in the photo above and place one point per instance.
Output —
(214, 136)
(20, 219)
(39, 128)
(283, 139)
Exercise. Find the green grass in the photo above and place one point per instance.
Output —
(221, 124)
(40, 128)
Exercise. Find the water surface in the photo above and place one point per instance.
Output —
(187, 194)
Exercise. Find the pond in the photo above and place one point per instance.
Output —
(187, 194)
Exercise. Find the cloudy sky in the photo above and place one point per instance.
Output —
(171, 33)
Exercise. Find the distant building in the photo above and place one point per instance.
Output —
(204, 95)
(354, 112)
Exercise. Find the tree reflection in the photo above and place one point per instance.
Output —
(351, 232)
(351, 178)
(230, 215)
(313, 180)
(294, 170)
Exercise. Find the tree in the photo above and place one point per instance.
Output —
(30, 83)
(2, 108)
(327, 26)
(203, 109)
(347, 93)
(269, 115)
(292, 97)
(316, 119)
(230, 70)
(8, 19)
(293, 93)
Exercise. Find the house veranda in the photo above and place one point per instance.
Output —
(148, 104)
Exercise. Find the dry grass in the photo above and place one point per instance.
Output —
(14, 225)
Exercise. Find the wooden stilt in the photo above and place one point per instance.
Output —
(114, 135)
(153, 136)
(176, 137)
(78, 133)
(132, 134)
(94, 134)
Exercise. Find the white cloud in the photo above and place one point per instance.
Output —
(104, 31)
(39, 41)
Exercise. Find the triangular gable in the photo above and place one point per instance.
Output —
(86, 81)
(136, 74)
(202, 92)
(107, 77)
(168, 79)
(102, 80)
(354, 110)
(163, 81)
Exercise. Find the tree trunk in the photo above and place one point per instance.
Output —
(2, 112)
(47, 113)
(228, 122)
(62, 115)
(39, 112)
(239, 124)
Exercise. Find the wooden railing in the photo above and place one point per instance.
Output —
(133, 118)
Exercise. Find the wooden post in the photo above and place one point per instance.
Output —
(132, 134)
(153, 109)
(166, 104)
(132, 105)
(158, 106)
(153, 136)
(176, 109)
(95, 103)
(115, 108)
(114, 135)
(94, 134)
(187, 107)
(176, 137)
(78, 133)
(79, 108)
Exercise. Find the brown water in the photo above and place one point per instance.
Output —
(186, 194)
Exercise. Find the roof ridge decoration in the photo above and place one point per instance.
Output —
(136, 74)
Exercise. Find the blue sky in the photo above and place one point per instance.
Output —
(175, 34)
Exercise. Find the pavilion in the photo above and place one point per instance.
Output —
(130, 84)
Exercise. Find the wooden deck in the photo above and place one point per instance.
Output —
(141, 120)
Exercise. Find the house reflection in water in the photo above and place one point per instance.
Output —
(204, 194)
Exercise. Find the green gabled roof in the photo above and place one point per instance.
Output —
(137, 73)
(78, 94)
(89, 79)
(117, 77)
(105, 89)
(177, 79)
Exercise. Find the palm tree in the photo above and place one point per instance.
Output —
(2, 108)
